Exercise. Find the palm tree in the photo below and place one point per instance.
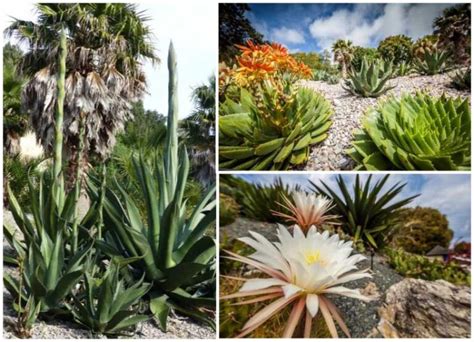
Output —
(454, 30)
(107, 45)
(343, 53)
(14, 121)
(200, 129)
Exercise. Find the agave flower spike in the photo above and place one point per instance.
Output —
(302, 270)
(307, 210)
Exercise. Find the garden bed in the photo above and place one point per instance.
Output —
(348, 111)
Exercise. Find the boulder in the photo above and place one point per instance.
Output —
(416, 308)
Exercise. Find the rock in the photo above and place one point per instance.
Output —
(417, 308)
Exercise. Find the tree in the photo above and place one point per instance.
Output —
(396, 49)
(234, 28)
(200, 128)
(421, 229)
(14, 120)
(360, 53)
(454, 30)
(343, 53)
(107, 45)
(311, 59)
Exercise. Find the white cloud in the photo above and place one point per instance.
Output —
(287, 35)
(414, 20)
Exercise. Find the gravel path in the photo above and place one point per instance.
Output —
(348, 110)
(179, 327)
(361, 318)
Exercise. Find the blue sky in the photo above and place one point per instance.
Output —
(448, 193)
(194, 39)
(314, 27)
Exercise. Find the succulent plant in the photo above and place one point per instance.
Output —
(404, 69)
(461, 79)
(365, 213)
(105, 307)
(432, 62)
(371, 80)
(275, 132)
(170, 246)
(415, 133)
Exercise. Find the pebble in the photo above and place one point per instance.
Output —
(349, 109)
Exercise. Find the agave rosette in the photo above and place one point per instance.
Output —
(302, 270)
(306, 210)
(415, 133)
(371, 80)
(272, 130)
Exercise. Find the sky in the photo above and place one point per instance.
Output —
(194, 39)
(315, 27)
(449, 193)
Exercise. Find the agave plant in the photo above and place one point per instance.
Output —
(404, 69)
(365, 214)
(274, 133)
(433, 62)
(106, 306)
(306, 210)
(415, 133)
(302, 270)
(48, 277)
(371, 80)
(170, 247)
(461, 80)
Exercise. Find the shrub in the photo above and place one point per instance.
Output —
(419, 230)
(361, 53)
(432, 62)
(404, 69)
(396, 49)
(228, 209)
(365, 213)
(420, 267)
(325, 76)
(276, 132)
(461, 80)
(424, 44)
(371, 80)
(415, 133)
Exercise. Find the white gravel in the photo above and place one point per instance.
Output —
(348, 111)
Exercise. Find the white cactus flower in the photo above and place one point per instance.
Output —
(303, 269)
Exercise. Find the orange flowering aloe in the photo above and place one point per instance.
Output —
(301, 269)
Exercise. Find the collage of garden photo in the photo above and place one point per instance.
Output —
(209, 170)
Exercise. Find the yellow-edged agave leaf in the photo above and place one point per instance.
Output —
(270, 128)
(415, 133)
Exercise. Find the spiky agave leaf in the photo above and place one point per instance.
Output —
(302, 270)
(106, 307)
(461, 79)
(274, 133)
(415, 133)
(365, 212)
(432, 62)
(371, 80)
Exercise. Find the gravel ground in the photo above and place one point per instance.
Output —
(348, 110)
(361, 318)
(178, 326)
(241, 226)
